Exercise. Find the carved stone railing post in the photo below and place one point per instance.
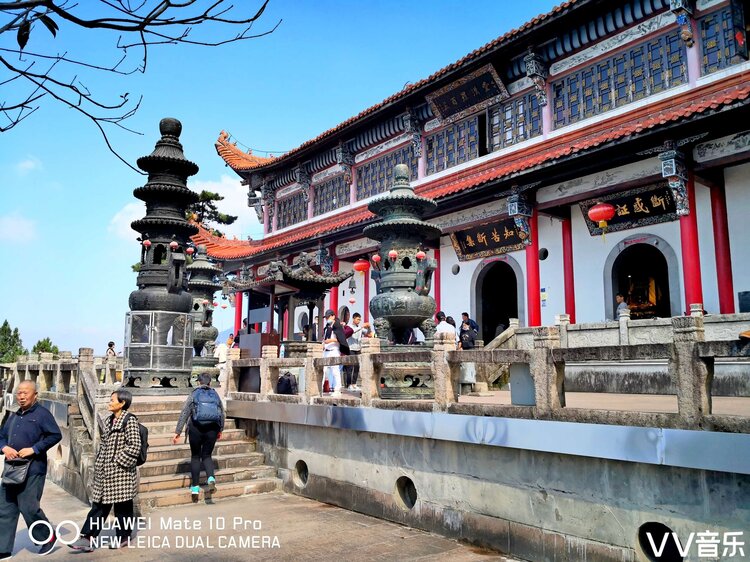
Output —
(368, 373)
(563, 321)
(547, 373)
(691, 374)
(268, 374)
(624, 319)
(233, 373)
(445, 375)
(313, 374)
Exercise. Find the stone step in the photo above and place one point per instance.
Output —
(159, 439)
(166, 498)
(172, 466)
(163, 427)
(157, 416)
(140, 404)
(181, 452)
(226, 475)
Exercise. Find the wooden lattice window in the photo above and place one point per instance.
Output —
(291, 210)
(641, 71)
(453, 145)
(376, 176)
(717, 41)
(514, 121)
(330, 195)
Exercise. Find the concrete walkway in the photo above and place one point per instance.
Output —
(265, 527)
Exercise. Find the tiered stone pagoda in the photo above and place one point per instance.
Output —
(159, 335)
(403, 273)
(203, 283)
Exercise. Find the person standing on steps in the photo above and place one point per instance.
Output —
(27, 435)
(115, 475)
(203, 412)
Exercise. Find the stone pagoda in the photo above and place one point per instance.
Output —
(402, 272)
(159, 333)
(203, 283)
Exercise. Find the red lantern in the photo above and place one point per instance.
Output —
(376, 258)
(224, 305)
(352, 300)
(147, 244)
(216, 303)
(173, 245)
(362, 265)
(190, 251)
(601, 213)
(205, 302)
(421, 255)
(393, 254)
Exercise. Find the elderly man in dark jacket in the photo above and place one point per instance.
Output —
(27, 434)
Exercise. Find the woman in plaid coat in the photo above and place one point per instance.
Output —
(115, 474)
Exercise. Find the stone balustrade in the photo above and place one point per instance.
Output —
(537, 377)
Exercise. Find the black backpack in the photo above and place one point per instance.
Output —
(143, 431)
(287, 384)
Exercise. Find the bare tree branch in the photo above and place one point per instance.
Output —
(151, 22)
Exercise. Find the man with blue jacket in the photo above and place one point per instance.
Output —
(29, 434)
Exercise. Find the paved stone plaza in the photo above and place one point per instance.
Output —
(306, 530)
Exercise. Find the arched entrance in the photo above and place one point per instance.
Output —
(644, 269)
(498, 295)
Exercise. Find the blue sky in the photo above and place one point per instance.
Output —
(67, 203)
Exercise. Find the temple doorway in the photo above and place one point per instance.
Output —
(641, 274)
(497, 299)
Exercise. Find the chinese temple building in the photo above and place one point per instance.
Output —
(601, 148)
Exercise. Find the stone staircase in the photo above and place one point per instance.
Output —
(165, 477)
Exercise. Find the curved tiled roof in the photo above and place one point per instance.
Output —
(236, 159)
(233, 156)
(693, 102)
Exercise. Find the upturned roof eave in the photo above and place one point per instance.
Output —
(331, 137)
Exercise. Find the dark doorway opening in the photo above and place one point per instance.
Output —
(641, 274)
(498, 299)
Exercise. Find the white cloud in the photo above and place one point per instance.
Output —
(119, 225)
(234, 203)
(17, 229)
(28, 165)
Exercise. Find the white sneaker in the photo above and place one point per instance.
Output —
(355, 388)
(336, 392)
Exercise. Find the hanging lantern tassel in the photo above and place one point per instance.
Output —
(602, 213)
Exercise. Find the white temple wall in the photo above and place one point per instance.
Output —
(589, 257)
(737, 186)
(551, 277)
(707, 248)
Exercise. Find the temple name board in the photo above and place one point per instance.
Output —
(487, 239)
(642, 206)
(475, 91)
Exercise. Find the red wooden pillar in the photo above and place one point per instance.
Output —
(335, 290)
(568, 277)
(437, 278)
(533, 285)
(691, 258)
(722, 250)
(366, 311)
(237, 312)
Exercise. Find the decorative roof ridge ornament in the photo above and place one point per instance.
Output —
(345, 159)
(302, 177)
(683, 10)
(537, 72)
(675, 170)
(413, 126)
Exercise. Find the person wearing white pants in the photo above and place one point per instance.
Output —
(334, 345)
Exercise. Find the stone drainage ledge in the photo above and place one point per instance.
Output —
(702, 450)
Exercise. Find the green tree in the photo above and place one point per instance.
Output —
(45, 346)
(205, 212)
(11, 345)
